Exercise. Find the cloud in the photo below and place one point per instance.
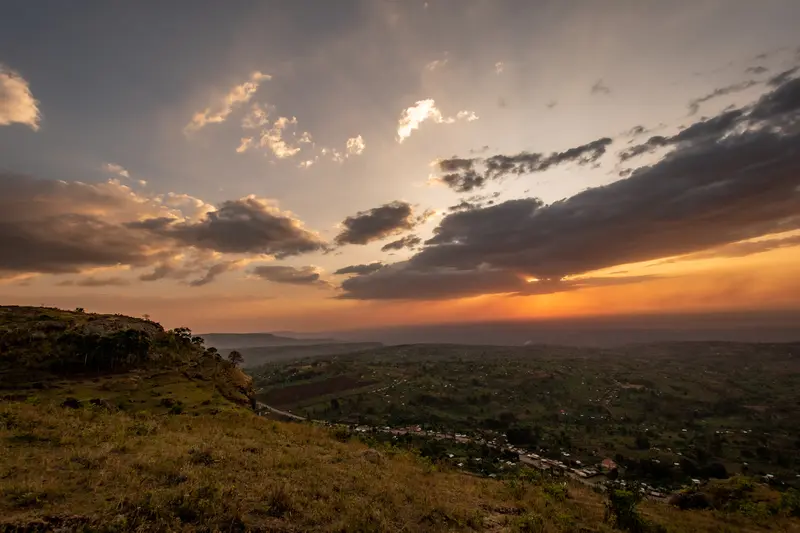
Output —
(694, 105)
(257, 117)
(469, 116)
(409, 241)
(117, 170)
(245, 144)
(743, 248)
(436, 64)
(401, 281)
(463, 205)
(718, 187)
(426, 110)
(758, 69)
(782, 77)
(57, 227)
(235, 97)
(359, 269)
(474, 202)
(17, 104)
(273, 139)
(779, 107)
(355, 146)
(62, 227)
(499, 67)
(705, 129)
(307, 275)
(167, 269)
(600, 88)
(377, 223)
(95, 282)
(214, 271)
(463, 174)
(248, 225)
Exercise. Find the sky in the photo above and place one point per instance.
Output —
(314, 166)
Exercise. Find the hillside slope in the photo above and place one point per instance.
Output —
(162, 439)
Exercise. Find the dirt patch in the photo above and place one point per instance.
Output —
(286, 396)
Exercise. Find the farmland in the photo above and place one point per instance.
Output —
(667, 412)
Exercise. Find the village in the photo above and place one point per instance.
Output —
(511, 456)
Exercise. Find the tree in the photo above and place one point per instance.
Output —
(235, 358)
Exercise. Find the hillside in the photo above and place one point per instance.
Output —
(110, 423)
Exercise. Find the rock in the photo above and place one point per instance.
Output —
(71, 403)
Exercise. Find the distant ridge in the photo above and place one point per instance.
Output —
(254, 340)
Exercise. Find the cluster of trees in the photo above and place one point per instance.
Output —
(56, 346)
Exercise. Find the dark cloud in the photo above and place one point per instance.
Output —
(56, 227)
(758, 69)
(720, 185)
(637, 130)
(743, 249)
(409, 241)
(463, 205)
(474, 202)
(377, 223)
(165, 270)
(782, 77)
(95, 282)
(709, 128)
(290, 275)
(401, 281)
(247, 225)
(552, 104)
(61, 227)
(214, 271)
(359, 269)
(462, 175)
(600, 88)
(779, 107)
(694, 105)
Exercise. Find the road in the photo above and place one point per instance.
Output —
(279, 412)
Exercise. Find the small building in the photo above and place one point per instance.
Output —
(608, 464)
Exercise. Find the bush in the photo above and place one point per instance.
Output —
(621, 511)
(790, 502)
(557, 491)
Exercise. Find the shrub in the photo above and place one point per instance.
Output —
(621, 511)
(557, 491)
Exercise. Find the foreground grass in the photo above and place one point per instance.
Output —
(100, 469)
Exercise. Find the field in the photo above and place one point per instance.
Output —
(667, 412)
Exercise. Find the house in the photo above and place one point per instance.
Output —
(608, 465)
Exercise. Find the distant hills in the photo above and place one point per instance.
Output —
(237, 341)
(261, 348)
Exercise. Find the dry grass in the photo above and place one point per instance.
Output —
(233, 471)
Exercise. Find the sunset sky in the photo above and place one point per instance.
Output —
(314, 166)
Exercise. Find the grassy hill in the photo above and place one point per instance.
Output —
(110, 423)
